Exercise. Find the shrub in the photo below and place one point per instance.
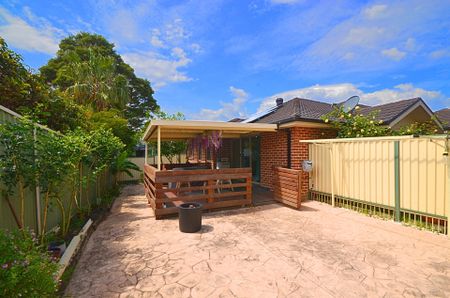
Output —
(353, 124)
(25, 269)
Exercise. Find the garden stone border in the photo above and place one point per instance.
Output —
(73, 248)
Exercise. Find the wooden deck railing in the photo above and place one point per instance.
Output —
(165, 190)
(287, 186)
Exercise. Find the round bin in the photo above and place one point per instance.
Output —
(190, 217)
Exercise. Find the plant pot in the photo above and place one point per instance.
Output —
(190, 217)
(58, 245)
(55, 252)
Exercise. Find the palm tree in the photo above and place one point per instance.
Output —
(123, 165)
(97, 83)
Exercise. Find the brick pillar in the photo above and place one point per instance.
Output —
(273, 153)
(300, 151)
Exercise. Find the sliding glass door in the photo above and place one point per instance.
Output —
(250, 155)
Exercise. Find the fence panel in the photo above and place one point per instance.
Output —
(363, 173)
(423, 176)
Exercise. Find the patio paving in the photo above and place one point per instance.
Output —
(265, 251)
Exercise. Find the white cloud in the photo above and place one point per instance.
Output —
(159, 69)
(228, 110)
(175, 31)
(196, 48)
(399, 92)
(156, 39)
(375, 11)
(340, 92)
(375, 31)
(410, 44)
(36, 35)
(326, 93)
(394, 54)
(440, 54)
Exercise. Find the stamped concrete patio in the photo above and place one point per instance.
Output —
(266, 251)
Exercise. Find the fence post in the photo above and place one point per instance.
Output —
(448, 183)
(38, 189)
(397, 179)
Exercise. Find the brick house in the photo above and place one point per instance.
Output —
(298, 119)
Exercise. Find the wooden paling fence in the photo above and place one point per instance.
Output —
(286, 186)
(222, 188)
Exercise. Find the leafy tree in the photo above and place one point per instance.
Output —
(52, 167)
(17, 162)
(18, 86)
(58, 113)
(354, 124)
(112, 119)
(122, 165)
(96, 83)
(104, 147)
(170, 149)
(78, 151)
(78, 48)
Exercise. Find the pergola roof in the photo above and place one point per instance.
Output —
(183, 129)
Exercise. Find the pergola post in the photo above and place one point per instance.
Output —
(146, 153)
(159, 149)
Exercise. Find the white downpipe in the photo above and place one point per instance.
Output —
(159, 148)
(38, 190)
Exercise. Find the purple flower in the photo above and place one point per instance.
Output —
(5, 266)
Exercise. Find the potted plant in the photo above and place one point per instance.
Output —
(56, 245)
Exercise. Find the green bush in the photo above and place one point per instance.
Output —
(26, 270)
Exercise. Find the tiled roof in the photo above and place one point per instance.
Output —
(298, 109)
(444, 116)
(390, 111)
(311, 110)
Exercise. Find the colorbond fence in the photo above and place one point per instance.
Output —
(33, 199)
(403, 178)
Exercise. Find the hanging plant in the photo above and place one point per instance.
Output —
(215, 140)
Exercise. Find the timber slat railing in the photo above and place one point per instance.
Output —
(286, 186)
(220, 188)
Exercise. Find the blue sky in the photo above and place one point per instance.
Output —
(220, 59)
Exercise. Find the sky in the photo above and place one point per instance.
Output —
(216, 60)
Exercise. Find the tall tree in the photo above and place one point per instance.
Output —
(96, 83)
(78, 48)
(18, 86)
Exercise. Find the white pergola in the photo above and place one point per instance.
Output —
(170, 130)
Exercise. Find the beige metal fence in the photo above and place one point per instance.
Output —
(402, 177)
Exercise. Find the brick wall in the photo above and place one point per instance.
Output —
(273, 154)
(274, 151)
(300, 152)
